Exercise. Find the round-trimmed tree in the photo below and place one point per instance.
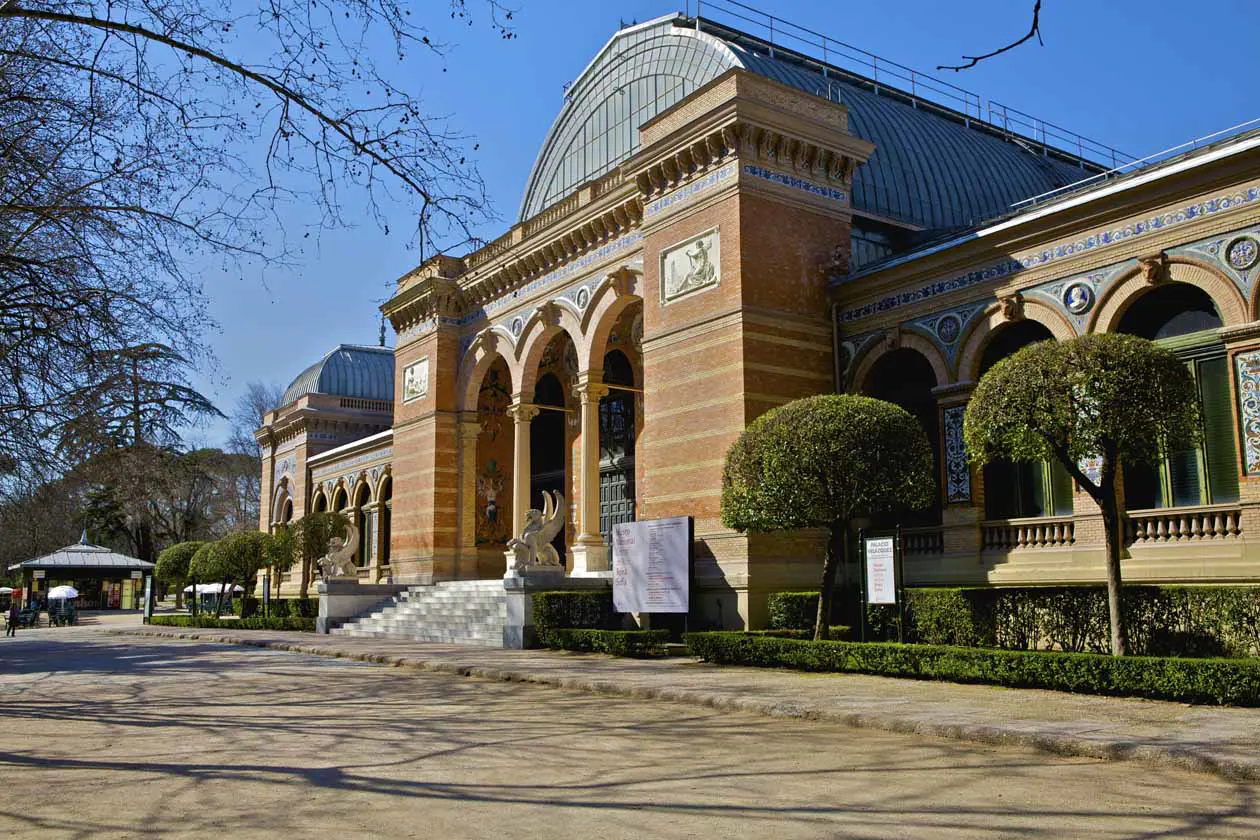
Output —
(172, 567)
(820, 462)
(1106, 398)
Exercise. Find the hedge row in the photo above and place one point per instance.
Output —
(1196, 621)
(1207, 681)
(587, 610)
(839, 633)
(615, 642)
(280, 607)
(306, 625)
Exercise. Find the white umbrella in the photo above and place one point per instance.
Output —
(212, 588)
(58, 593)
(4, 590)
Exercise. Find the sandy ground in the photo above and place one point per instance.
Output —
(108, 736)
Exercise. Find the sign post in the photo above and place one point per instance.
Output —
(881, 576)
(148, 598)
(266, 594)
(652, 566)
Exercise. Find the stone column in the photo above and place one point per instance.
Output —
(590, 556)
(521, 413)
(372, 521)
(466, 559)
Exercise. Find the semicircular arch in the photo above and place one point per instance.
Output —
(982, 331)
(908, 341)
(1131, 286)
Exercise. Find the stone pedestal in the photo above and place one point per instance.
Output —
(341, 599)
(591, 560)
(518, 632)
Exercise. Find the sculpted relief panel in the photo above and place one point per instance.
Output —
(416, 380)
(691, 265)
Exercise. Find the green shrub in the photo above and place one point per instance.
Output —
(249, 607)
(246, 607)
(306, 625)
(792, 610)
(615, 642)
(839, 632)
(1209, 681)
(585, 610)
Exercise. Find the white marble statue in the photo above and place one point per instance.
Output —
(339, 561)
(533, 547)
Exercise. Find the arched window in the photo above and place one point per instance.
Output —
(1017, 489)
(1184, 319)
(387, 506)
(363, 523)
(321, 504)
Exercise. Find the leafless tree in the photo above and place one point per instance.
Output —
(973, 60)
(141, 137)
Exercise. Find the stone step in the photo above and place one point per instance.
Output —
(459, 612)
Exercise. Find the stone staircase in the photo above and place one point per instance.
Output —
(464, 612)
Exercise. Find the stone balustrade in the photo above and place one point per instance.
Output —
(919, 541)
(1036, 532)
(1168, 525)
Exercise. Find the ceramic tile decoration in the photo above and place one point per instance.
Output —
(1078, 297)
(957, 470)
(1242, 253)
(1248, 366)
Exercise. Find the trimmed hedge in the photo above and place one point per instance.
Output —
(839, 633)
(615, 642)
(280, 607)
(1195, 621)
(1204, 681)
(306, 625)
(579, 610)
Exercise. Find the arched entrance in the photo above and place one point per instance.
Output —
(363, 523)
(618, 430)
(551, 442)
(386, 509)
(1014, 490)
(491, 484)
(904, 377)
(1184, 319)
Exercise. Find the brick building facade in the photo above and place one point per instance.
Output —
(716, 226)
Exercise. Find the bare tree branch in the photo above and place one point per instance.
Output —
(973, 60)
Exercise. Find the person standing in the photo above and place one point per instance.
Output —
(15, 613)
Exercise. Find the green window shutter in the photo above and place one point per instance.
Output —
(1218, 427)
(1060, 488)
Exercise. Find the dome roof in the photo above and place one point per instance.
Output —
(348, 370)
(932, 168)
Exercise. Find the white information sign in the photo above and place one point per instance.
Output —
(651, 563)
(881, 576)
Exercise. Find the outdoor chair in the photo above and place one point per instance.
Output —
(28, 618)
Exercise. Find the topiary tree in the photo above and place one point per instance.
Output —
(233, 559)
(311, 534)
(819, 463)
(282, 553)
(1115, 398)
(172, 567)
(202, 567)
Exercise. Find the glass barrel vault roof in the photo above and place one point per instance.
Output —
(928, 170)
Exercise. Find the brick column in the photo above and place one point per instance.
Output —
(588, 550)
(466, 559)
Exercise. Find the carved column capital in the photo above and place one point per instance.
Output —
(522, 412)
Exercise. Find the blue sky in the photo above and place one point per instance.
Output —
(1140, 75)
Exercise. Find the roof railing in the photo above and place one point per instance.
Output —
(885, 77)
(1139, 163)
